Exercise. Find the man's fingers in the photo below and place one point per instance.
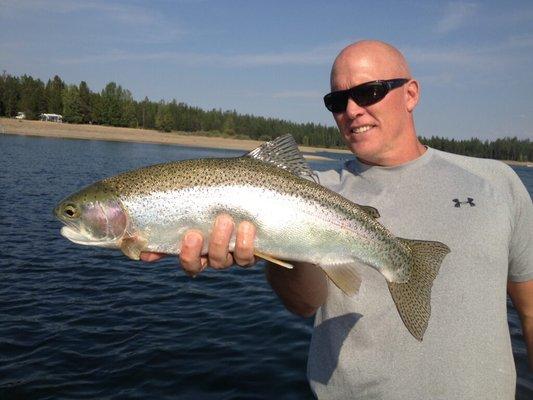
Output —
(219, 257)
(190, 253)
(244, 244)
(150, 257)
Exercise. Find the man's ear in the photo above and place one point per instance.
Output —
(412, 94)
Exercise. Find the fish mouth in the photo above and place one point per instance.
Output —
(76, 237)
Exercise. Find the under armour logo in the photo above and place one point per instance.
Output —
(469, 200)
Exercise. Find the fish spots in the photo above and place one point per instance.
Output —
(161, 183)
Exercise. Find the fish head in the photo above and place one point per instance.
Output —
(93, 216)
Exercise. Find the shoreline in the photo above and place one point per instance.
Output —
(11, 126)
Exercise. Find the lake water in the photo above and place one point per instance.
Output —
(84, 323)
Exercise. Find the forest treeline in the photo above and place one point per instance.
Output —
(115, 106)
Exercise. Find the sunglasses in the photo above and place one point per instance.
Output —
(364, 94)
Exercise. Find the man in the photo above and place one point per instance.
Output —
(479, 208)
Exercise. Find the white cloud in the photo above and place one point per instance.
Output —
(121, 13)
(509, 52)
(456, 15)
(298, 94)
(442, 56)
(123, 22)
(442, 78)
(518, 42)
(322, 55)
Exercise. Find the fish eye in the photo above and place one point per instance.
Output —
(70, 211)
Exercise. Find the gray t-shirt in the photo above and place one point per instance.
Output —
(360, 348)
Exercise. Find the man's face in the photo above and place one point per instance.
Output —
(373, 133)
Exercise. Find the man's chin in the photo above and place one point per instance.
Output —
(360, 139)
(366, 152)
(361, 145)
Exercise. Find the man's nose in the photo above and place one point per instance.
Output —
(353, 110)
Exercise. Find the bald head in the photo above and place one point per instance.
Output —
(368, 60)
(382, 132)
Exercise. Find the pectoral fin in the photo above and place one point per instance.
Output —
(273, 260)
(344, 276)
(132, 247)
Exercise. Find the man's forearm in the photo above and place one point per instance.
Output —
(302, 289)
(522, 296)
(527, 331)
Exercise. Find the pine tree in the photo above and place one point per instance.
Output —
(54, 94)
(85, 102)
(111, 104)
(128, 111)
(11, 95)
(72, 109)
(228, 126)
(97, 109)
(129, 117)
(163, 119)
(32, 97)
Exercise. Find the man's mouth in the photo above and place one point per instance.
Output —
(361, 129)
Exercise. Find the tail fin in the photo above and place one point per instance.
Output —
(413, 298)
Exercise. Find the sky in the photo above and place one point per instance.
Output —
(474, 60)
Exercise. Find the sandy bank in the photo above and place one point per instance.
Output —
(98, 132)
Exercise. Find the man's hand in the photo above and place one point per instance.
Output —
(218, 255)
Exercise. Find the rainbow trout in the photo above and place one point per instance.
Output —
(297, 220)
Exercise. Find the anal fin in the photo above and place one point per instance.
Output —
(344, 276)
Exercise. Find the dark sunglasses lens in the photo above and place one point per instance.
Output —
(363, 95)
(366, 95)
(336, 102)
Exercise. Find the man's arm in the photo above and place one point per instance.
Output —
(522, 296)
(302, 289)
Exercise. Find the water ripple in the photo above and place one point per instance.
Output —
(85, 323)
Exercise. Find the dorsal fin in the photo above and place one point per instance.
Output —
(283, 152)
(373, 212)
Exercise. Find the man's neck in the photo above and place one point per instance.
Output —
(408, 154)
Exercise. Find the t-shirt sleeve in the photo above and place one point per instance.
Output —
(521, 244)
(329, 178)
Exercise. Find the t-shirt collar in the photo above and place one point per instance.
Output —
(357, 167)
